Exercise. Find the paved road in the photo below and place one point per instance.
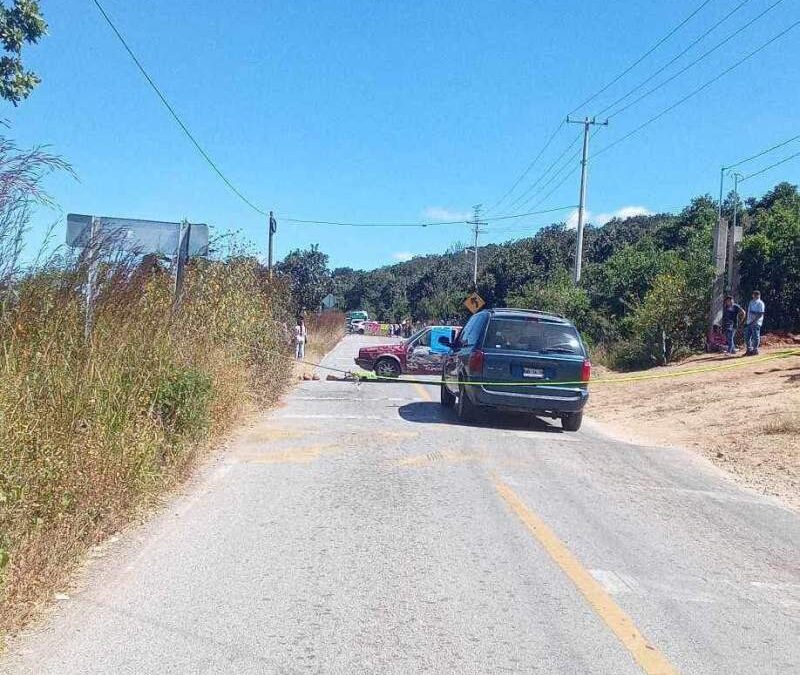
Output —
(362, 530)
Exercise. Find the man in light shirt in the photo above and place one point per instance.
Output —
(752, 328)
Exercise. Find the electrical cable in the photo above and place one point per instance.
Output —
(675, 58)
(421, 224)
(591, 98)
(531, 188)
(175, 115)
(696, 91)
(641, 58)
(767, 168)
(763, 152)
(529, 167)
(693, 63)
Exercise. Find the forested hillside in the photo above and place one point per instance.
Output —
(643, 275)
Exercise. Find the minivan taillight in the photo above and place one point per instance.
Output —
(475, 363)
(586, 371)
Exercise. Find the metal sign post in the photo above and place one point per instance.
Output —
(91, 280)
(180, 264)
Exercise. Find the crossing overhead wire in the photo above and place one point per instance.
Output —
(532, 187)
(691, 64)
(763, 152)
(529, 167)
(422, 224)
(597, 93)
(771, 166)
(175, 115)
(699, 89)
(635, 63)
(687, 49)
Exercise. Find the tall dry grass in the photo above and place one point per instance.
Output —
(92, 431)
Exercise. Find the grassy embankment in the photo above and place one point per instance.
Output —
(92, 432)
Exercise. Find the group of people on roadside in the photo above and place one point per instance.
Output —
(734, 316)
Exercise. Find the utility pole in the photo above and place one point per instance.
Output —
(586, 122)
(273, 228)
(722, 171)
(736, 178)
(476, 223)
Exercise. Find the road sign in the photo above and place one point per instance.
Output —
(328, 302)
(474, 302)
(136, 236)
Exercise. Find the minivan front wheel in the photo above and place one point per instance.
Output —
(447, 398)
(572, 421)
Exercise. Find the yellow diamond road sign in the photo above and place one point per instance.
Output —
(474, 302)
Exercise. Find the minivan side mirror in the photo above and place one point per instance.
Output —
(444, 340)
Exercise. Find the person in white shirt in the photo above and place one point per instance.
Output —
(300, 335)
(753, 323)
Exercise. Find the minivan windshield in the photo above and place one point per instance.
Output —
(528, 334)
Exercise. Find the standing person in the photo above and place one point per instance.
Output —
(755, 319)
(300, 335)
(732, 316)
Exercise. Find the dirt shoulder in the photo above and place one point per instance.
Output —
(746, 419)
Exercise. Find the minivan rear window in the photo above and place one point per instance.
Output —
(526, 334)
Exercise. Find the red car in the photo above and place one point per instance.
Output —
(421, 354)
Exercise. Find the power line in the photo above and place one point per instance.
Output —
(771, 166)
(529, 167)
(696, 91)
(532, 186)
(422, 224)
(688, 48)
(641, 58)
(763, 152)
(695, 62)
(175, 115)
(588, 100)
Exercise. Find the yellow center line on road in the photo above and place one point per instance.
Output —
(649, 658)
(423, 393)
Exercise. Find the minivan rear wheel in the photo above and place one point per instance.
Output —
(465, 408)
(572, 421)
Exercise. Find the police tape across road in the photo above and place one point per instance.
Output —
(360, 376)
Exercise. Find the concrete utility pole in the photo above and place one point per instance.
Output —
(722, 171)
(476, 223)
(586, 122)
(273, 228)
(736, 178)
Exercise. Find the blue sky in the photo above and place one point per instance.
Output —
(386, 111)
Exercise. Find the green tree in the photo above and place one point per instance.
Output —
(770, 255)
(20, 23)
(309, 274)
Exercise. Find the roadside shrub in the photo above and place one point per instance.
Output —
(182, 401)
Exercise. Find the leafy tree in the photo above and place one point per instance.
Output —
(770, 255)
(20, 23)
(309, 274)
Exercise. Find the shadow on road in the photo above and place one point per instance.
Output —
(430, 412)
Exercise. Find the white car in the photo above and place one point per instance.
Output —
(357, 326)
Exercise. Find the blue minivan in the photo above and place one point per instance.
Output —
(517, 360)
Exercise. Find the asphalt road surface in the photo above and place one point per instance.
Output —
(361, 529)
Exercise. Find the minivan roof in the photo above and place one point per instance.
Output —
(513, 311)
